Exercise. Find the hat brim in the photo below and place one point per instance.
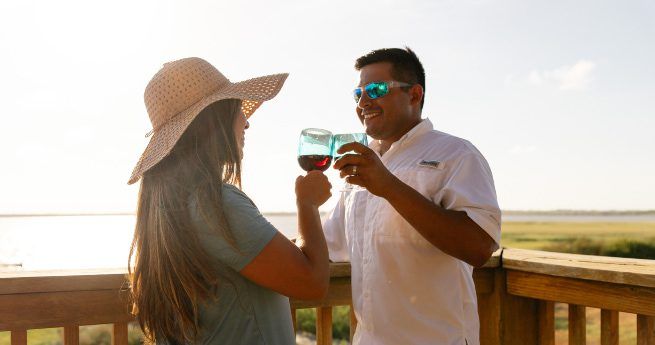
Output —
(252, 92)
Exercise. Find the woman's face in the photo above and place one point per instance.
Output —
(240, 126)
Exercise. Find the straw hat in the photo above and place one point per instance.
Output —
(181, 90)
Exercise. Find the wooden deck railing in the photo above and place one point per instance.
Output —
(516, 290)
(534, 280)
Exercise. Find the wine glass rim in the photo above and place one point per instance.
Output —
(316, 130)
(353, 133)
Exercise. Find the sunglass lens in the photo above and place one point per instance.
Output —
(357, 94)
(376, 90)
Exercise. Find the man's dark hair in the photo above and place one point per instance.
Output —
(406, 66)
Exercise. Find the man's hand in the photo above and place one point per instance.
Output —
(364, 169)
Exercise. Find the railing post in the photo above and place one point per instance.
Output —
(519, 324)
(119, 334)
(72, 335)
(645, 330)
(577, 324)
(609, 327)
(489, 306)
(546, 323)
(324, 326)
(18, 337)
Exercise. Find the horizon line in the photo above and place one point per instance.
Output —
(286, 213)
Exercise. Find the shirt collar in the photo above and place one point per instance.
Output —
(422, 127)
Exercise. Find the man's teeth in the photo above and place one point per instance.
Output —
(370, 115)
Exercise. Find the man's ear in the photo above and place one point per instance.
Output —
(416, 94)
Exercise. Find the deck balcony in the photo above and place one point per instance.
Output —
(517, 291)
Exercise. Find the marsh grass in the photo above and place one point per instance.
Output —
(635, 240)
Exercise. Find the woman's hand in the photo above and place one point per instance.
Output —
(313, 189)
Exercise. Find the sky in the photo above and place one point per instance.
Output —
(558, 95)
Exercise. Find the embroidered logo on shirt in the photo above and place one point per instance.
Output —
(431, 164)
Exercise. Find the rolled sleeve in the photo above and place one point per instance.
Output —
(470, 188)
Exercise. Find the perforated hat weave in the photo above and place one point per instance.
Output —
(181, 90)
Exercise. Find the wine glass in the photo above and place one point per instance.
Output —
(339, 140)
(342, 139)
(315, 149)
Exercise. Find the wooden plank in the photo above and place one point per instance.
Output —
(609, 327)
(484, 280)
(495, 259)
(18, 337)
(353, 323)
(597, 268)
(645, 330)
(339, 293)
(577, 324)
(43, 310)
(626, 298)
(489, 307)
(61, 280)
(518, 317)
(339, 269)
(324, 326)
(71, 335)
(546, 319)
(119, 334)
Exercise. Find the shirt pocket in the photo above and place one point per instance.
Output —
(424, 179)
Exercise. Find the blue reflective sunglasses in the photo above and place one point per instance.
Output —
(377, 89)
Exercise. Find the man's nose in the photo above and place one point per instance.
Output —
(247, 124)
(364, 101)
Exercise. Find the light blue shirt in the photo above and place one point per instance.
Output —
(243, 312)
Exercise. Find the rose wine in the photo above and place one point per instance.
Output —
(314, 162)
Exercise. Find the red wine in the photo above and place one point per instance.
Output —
(314, 162)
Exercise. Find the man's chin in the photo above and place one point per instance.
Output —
(371, 132)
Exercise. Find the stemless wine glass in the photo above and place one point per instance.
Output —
(342, 139)
(315, 149)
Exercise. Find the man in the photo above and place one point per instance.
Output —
(419, 213)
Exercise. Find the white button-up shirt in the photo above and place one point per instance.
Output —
(405, 290)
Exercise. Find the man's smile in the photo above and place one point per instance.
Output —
(372, 114)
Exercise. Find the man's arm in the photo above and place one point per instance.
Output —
(453, 232)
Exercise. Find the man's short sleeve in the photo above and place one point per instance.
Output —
(250, 230)
(469, 187)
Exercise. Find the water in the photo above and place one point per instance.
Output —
(74, 242)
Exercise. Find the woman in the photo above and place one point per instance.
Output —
(205, 266)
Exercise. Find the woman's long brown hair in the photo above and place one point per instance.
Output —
(172, 274)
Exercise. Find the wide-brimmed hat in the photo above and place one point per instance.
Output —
(181, 90)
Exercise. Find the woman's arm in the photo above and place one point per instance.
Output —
(297, 270)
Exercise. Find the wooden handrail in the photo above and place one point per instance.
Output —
(517, 290)
(589, 267)
(537, 278)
